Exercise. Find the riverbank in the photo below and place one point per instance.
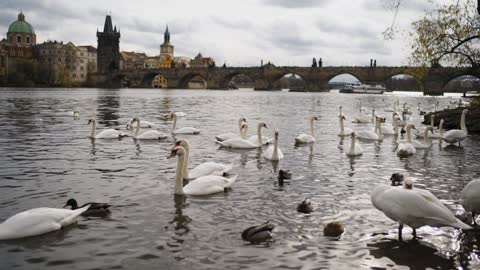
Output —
(451, 118)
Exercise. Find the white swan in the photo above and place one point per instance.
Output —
(144, 124)
(343, 130)
(394, 109)
(206, 168)
(457, 135)
(389, 129)
(413, 207)
(371, 135)
(239, 143)
(259, 139)
(361, 118)
(38, 221)
(184, 130)
(305, 138)
(229, 135)
(147, 135)
(470, 198)
(426, 142)
(204, 185)
(407, 148)
(273, 152)
(420, 132)
(106, 133)
(355, 148)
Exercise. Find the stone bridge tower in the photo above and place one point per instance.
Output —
(108, 49)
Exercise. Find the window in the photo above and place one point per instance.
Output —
(81, 61)
(28, 40)
(81, 54)
(81, 75)
(19, 39)
(81, 67)
(59, 60)
(11, 39)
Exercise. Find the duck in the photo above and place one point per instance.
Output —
(397, 179)
(183, 130)
(407, 149)
(76, 115)
(413, 207)
(283, 175)
(333, 229)
(457, 135)
(95, 209)
(355, 148)
(426, 144)
(259, 139)
(305, 206)
(169, 115)
(273, 152)
(144, 124)
(203, 169)
(147, 135)
(258, 234)
(470, 198)
(225, 136)
(204, 185)
(106, 133)
(307, 138)
(239, 143)
(344, 131)
(38, 221)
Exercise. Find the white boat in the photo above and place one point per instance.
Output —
(368, 89)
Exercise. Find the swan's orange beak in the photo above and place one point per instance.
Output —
(172, 154)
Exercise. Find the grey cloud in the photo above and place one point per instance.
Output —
(233, 24)
(358, 30)
(296, 3)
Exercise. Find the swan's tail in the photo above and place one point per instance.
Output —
(222, 144)
(123, 134)
(219, 139)
(461, 225)
(231, 180)
(73, 215)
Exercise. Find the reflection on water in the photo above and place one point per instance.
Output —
(47, 158)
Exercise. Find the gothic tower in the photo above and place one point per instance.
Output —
(166, 48)
(108, 49)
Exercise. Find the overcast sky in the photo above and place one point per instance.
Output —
(240, 32)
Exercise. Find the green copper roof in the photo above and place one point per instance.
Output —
(21, 26)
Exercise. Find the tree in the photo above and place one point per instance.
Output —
(449, 34)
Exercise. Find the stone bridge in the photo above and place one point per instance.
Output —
(433, 80)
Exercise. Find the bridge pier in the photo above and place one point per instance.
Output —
(263, 84)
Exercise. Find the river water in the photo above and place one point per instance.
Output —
(47, 158)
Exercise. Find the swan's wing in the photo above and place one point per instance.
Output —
(470, 198)
(225, 136)
(269, 152)
(187, 130)
(238, 143)
(454, 134)
(207, 185)
(209, 168)
(366, 134)
(304, 138)
(108, 134)
(152, 135)
(416, 208)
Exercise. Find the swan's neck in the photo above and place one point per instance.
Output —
(137, 129)
(373, 116)
(352, 145)
(94, 127)
(395, 125)
(342, 128)
(259, 134)
(440, 127)
(312, 129)
(432, 121)
(463, 126)
(380, 134)
(275, 149)
(409, 136)
(174, 122)
(186, 160)
(179, 177)
(426, 141)
(244, 132)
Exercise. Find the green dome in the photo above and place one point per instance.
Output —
(21, 26)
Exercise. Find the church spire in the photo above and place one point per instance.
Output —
(166, 36)
(108, 28)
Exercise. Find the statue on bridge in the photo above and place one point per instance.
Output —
(314, 63)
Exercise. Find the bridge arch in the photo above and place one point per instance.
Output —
(121, 80)
(155, 80)
(289, 79)
(227, 80)
(462, 84)
(193, 80)
(403, 82)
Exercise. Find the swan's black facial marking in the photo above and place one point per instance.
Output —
(89, 121)
(172, 154)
